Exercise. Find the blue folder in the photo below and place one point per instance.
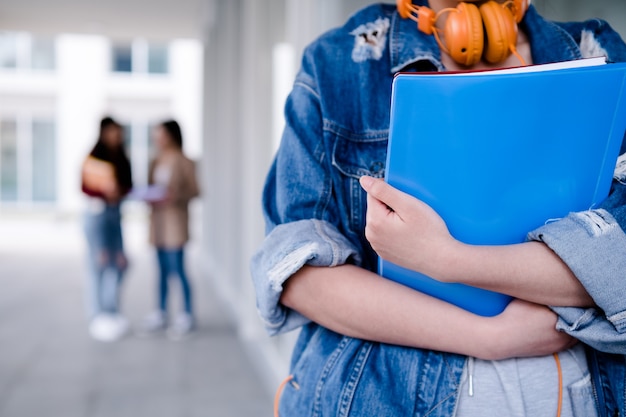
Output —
(500, 154)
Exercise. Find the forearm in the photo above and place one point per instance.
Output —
(530, 271)
(409, 233)
(358, 303)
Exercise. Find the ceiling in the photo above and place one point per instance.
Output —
(168, 19)
(125, 19)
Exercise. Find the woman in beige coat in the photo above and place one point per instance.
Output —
(174, 174)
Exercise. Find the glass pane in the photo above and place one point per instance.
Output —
(157, 59)
(43, 54)
(8, 160)
(152, 150)
(122, 58)
(44, 160)
(128, 137)
(136, 151)
(8, 50)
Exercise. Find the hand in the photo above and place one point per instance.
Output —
(111, 193)
(525, 329)
(162, 201)
(406, 231)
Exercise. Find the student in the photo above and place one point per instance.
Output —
(106, 179)
(369, 346)
(175, 174)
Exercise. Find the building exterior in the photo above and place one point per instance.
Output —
(55, 89)
(229, 101)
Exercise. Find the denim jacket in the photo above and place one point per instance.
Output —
(337, 127)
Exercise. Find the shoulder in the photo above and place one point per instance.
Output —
(596, 37)
(190, 163)
(183, 162)
(372, 20)
(362, 38)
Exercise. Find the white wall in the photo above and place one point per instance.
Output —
(614, 11)
(241, 122)
(82, 64)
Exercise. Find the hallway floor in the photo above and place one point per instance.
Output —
(49, 366)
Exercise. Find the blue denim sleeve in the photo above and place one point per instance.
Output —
(299, 211)
(593, 244)
(286, 249)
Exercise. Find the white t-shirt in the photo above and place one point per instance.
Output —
(527, 387)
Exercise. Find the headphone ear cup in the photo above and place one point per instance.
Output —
(500, 29)
(464, 36)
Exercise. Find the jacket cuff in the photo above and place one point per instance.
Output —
(593, 245)
(591, 327)
(285, 251)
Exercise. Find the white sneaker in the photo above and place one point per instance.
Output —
(108, 327)
(182, 326)
(153, 323)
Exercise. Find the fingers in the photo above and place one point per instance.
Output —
(378, 207)
(381, 191)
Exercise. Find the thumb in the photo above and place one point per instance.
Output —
(385, 193)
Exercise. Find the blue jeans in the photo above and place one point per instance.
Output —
(107, 262)
(171, 262)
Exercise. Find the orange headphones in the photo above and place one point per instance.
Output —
(472, 32)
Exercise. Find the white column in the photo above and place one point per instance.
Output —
(82, 67)
(185, 64)
(240, 128)
(221, 163)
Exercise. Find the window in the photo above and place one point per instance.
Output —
(140, 148)
(157, 59)
(27, 160)
(43, 54)
(8, 50)
(44, 161)
(23, 51)
(123, 58)
(8, 160)
(140, 57)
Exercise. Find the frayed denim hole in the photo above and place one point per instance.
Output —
(596, 222)
(590, 47)
(370, 40)
(619, 321)
(291, 263)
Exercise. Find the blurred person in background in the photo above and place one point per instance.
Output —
(173, 182)
(106, 180)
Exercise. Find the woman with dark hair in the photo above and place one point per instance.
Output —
(175, 174)
(106, 179)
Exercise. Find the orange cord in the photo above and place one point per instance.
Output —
(517, 55)
(436, 30)
(279, 391)
(560, 372)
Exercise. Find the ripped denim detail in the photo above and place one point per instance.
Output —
(290, 264)
(370, 40)
(596, 222)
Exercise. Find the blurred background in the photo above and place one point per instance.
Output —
(222, 68)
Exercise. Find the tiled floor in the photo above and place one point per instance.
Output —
(49, 366)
